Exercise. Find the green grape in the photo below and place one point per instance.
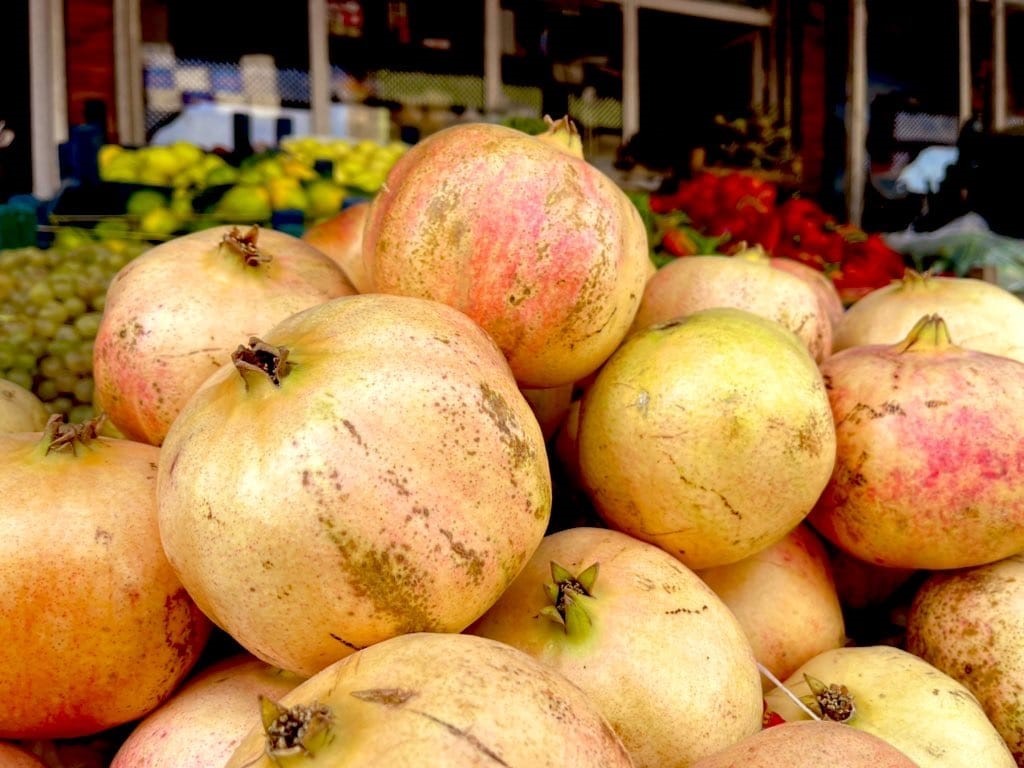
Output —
(19, 376)
(6, 285)
(62, 287)
(25, 360)
(60, 405)
(98, 302)
(66, 333)
(79, 414)
(40, 294)
(54, 311)
(77, 361)
(83, 390)
(46, 390)
(6, 355)
(74, 306)
(36, 346)
(59, 347)
(51, 366)
(65, 382)
(88, 324)
(45, 328)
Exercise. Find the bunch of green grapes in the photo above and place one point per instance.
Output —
(51, 302)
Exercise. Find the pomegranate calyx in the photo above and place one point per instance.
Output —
(300, 729)
(564, 592)
(266, 359)
(832, 701)
(930, 333)
(563, 135)
(59, 436)
(246, 246)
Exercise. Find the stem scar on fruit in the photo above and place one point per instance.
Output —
(265, 358)
(563, 592)
(246, 245)
(299, 730)
(59, 436)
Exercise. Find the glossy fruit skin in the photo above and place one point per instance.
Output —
(981, 315)
(341, 237)
(688, 285)
(539, 247)
(95, 627)
(397, 455)
(710, 436)
(930, 453)
(174, 315)
(434, 700)
(785, 599)
(899, 697)
(970, 624)
(202, 723)
(664, 659)
(809, 744)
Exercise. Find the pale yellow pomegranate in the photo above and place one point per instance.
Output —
(710, 436)
(368, 468)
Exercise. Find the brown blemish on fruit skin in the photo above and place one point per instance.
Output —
(494, 405)
(384, 577)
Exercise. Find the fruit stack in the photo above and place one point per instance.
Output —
(471, 482)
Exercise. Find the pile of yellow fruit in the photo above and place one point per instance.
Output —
(312, 175)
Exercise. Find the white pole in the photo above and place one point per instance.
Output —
(494, 98)
(319, 70)
(45, 168)
(59, 72)
(630, 70)
(128, 72)
(856, 112)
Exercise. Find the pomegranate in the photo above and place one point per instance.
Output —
(539, 247)
(809, 744)
(970, 624)
(174, 314)
(984, 316)
(20, 409)
(598, 605)
(785, 599)
(745, 281)
(341, 237)
(379, 439)
(95, 628)
(930, 454)
(710, 436)
(433, 700)
(550, 406)
(203, 722)
(828, 295)
(930, 717)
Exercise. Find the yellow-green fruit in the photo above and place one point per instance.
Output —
(926, 714)
(710, 436)
(159, 222)
(247, 203)
(143, 201)
(325, 198)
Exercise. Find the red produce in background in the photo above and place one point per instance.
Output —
(739, 208)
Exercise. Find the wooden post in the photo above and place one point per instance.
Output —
(998, 64)
(966, 97)
(630, 70)
(494, 96)
(856, 113)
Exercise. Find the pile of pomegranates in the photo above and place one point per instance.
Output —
(461, 479)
